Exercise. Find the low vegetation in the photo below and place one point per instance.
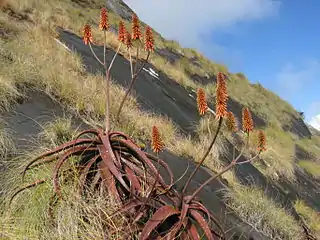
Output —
(82, 92)
(263, 215)
(311, 167)
(310, 216)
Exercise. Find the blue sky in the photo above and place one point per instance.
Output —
(275, 42)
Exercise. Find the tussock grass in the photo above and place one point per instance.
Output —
(311, 167)
(30, 218)
(7, 146)
(311, 145)
(279, 157)
(311, 217)
(263, 214)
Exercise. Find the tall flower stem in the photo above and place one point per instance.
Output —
(131, 85)
(137, 59)
(131, 67)
(95, 55)
(104, 47)
(204, 156)
(227, 168)
(107, 115)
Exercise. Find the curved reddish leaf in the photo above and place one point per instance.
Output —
(60, 148)
(200, 207)
(133, 178)
(35, 183)
(85, 172)
(118, 157)
(65, 156)
(163, 164)
(92, 131)
(202, 223)
(159, 216)
(193, 232)
(106, 153)
(108, 178)
(182, 219)
(116, 134)
(141, 155)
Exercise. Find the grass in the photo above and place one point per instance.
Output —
(263, 214)
(279, 157)
(7, 146)
(64, 77)
(311, 167)
(310, 216)
(30, 218)
(311, 145)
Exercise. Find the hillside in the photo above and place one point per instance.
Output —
(50, 88)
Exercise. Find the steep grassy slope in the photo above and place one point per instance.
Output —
(22, 65)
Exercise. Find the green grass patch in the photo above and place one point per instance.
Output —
(311, 217)
(311, 167)
(311, 145)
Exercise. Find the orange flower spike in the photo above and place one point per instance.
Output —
(121, 32)
(149, 41)
(261, 141)
(128, 40)
(221, 84)
(202, 102)
(247, 122)
(231, 122)
(136, 33)
(87, 35)
(157, 143)
(221, 96)
(104, 22)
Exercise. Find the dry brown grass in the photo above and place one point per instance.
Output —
(29, 219)
(279, 156)
(311, 217)
(64, 77)
(263, 214)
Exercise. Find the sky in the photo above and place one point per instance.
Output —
(273, 42)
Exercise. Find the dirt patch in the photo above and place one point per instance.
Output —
(302, 154)
(87, 3)
(194, 61)
(120, 8)
(171, 56)
(203, 80)
(23, 16)
(236, 108)
(298, 127)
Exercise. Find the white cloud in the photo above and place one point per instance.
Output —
(188, 21)
(313, 115)
(292, 79)
(315, 122)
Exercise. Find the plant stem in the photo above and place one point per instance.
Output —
(104, 47)
(107, 115)
(227, 168)
(114, 57)
(137, 58)
(94, 54)
(156, 179)
(131, 67)
(130, 86)
(204, 156)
